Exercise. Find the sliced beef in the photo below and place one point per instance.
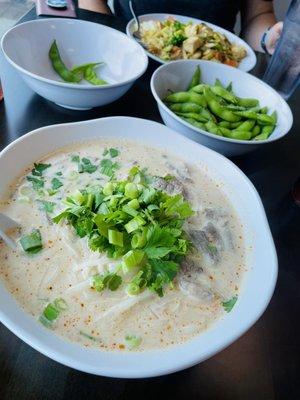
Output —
(172, 187)
(208, 241)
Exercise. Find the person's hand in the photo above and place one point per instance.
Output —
(273, 36)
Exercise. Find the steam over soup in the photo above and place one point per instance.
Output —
(122, 246)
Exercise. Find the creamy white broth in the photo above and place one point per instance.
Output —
(65, 265)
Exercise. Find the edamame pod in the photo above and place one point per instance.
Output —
(60, 67)
(186, 97)
(219, 110)
(91, 76)
(196, 117)
(234, 125)
(264, 110)
(185, 107)
(213, 128)
(235, 134)
(247, 125)
(265, 119)
(196, 78)
(229, 87)
(265, 132)
(218, 83)
(220, 91)
(255, 131)
(224, 124)
(199, 88)
(195, 123)
(247, 102)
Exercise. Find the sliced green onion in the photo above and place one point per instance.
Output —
(73, 175)
(97, 283)
(131, 190)
(60, 304)
(32, 243)
(134, 224)
(129, 210)
(115, 237)
(51, 312)
(139, 239)
(133, 258)
(108, 189)
(133, 341)
(134, 203)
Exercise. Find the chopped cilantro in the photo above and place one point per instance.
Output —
(86, 166)
(47, 206)
(108, 168)
(39, 169)
(75, 158)
(37, 183)
(59, 173)
(112, 152)
(56, 183)
(110, 281)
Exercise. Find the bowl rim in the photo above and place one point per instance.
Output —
(208, 134)
(250, 53)
(66, 84)
(54, 353)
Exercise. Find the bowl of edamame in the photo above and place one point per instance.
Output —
(76, 64)
(221, 107)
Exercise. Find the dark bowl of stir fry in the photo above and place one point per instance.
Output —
(218, 106)
(58, 60)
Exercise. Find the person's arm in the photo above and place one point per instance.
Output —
(95, 5)
(257, 17)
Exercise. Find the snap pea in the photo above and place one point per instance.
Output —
(265, 132)
(196, 78)
(247, 125)
(219, 110)
(196, 117)
(186, 97)
(220, 91)
(255, 131)
(60, 67)
(185, 108)
(244, 102)
(197, 124)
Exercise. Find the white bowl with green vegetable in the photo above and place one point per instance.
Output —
(223, 108)
(134, 245)
(74, 63)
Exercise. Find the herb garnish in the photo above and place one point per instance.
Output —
(38, 183)
(56, 184)
(112, 152)
(132, 221)
(47, 206)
